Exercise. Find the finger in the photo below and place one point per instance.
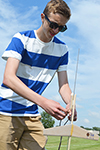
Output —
(58, 117)
(75, 118)
(62, 111)
(59, 114)
(70, 117)
(68, 109)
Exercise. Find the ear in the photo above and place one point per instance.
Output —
(42, 17)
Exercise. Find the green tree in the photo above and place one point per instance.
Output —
(82, 127)
(47, 120)
(96, 128)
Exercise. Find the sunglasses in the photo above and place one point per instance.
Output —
(54, 25)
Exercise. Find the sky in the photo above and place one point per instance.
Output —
(83, 33)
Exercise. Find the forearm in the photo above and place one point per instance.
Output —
(64, 88)
(14, 83)
(65, 93)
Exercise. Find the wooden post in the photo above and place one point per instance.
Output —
(72, 118)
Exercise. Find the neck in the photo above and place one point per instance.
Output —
(41, 35)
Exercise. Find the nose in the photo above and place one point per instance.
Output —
(56, 30)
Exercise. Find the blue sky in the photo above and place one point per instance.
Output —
(83, 32)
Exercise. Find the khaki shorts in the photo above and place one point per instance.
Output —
(21, 133)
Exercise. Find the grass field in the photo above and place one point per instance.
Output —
(76, 144)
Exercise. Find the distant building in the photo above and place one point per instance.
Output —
(94, 131)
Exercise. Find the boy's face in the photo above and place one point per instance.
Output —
(49, 32)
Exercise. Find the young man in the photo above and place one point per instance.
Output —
(33, 57)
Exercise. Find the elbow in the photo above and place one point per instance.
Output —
(6, 81)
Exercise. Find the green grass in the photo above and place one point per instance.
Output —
(76, 144)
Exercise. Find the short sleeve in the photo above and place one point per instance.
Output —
(64, 63)
(15, 49)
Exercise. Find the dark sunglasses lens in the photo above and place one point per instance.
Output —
(63, 29)
(53, 25)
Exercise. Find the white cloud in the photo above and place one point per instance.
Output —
(12, 20)
(79, 106)
(85, 16)
(95, 114)
(86, 121)
(57, 98)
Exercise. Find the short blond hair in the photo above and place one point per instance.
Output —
(57, 6)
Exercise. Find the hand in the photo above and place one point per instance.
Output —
(54, 109)
(75, 115)
(69, 112)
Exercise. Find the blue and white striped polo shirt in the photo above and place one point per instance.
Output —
(39, 62)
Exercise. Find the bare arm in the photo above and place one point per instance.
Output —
(64, 88)
(13, 82)
(65, 91)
